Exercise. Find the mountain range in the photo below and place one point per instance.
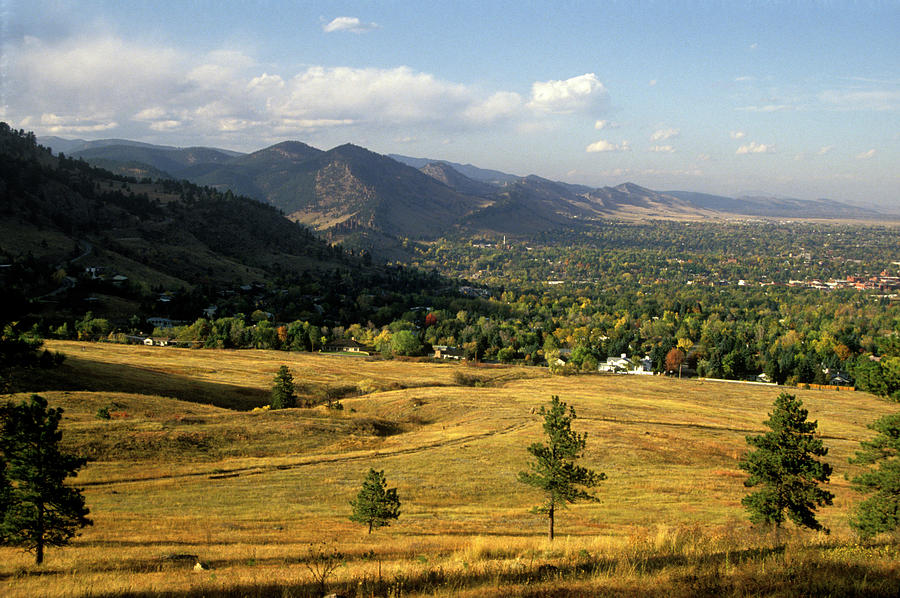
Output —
(350, 191)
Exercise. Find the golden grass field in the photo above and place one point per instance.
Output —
(183, 467)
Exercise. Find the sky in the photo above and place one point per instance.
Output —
(792, 98)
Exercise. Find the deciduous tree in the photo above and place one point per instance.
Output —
(783, 464)
(38, 508)
(553, 470)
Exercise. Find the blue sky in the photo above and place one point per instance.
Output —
(792, 98)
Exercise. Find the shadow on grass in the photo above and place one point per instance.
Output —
(77, 374)
(752, 572)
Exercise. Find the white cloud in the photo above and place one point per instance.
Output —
(872, 100)
(824, 150)
(744, 79)
(579, 93)
(866, 155)
(606, 146)
(265, 83)
(663, 134)
(165, 125)
(765, 108)
(398, 95)
(737, 134)
(755, 148)
(652, 82)
(143, 92)
(601, 124)
(350, 24)
(663, 149)
(68, 124)
(502, 104)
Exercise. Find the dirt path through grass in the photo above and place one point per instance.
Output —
(220, 473)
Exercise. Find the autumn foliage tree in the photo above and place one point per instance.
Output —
(674, 359)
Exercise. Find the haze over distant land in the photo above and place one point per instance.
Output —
(793, 99)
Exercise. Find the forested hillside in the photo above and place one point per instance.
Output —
(76, 238)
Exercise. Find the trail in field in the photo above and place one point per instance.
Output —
(315, 459)
(616, 420)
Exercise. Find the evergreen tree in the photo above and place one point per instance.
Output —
(283, 390)
(554, 470)
(375, 505)
(783, 464)
(39, 509)
(881, 511)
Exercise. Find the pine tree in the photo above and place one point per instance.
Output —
(881, 511)
(39, 509)
(783, 464)
(554, 470)
(376, 504)
(283, 390)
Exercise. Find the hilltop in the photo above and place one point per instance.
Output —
(360, 196)
(76, 238)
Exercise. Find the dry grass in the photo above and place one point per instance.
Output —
(249, 492)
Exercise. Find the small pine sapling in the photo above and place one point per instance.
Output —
(376, 504)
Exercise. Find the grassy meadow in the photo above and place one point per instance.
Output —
(186, 467)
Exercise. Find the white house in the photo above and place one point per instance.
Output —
(623, 365)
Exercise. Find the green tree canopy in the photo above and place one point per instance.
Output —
(553, 470)
(38, 508)
(376, 504)
(405, 342)
(783, 464)
(283, 391)
(880, 512)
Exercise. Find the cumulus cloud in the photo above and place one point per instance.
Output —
(662, 149)
(143, 92)
(502, 104)
(663, 134)
(866, 155)
(601, 124)
(755, 148)
(824, 150)
(607, 146)
(737, 134)
(95, 84)
(579, 93)
(349, 24)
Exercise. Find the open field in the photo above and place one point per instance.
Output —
(183, 467)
